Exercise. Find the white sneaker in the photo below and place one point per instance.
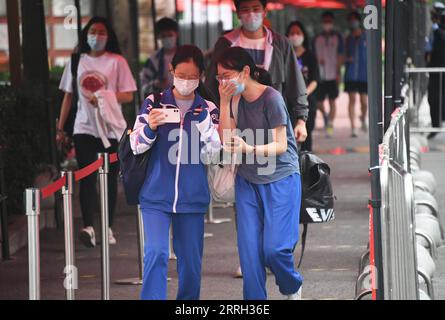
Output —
(354, 134)
(364, 127)
(239, 273)
(111, 239)
(88, 237)
(295, 296)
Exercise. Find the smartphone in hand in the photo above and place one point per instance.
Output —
(171, 115)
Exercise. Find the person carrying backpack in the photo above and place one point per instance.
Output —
(268, 184)
(176, 190)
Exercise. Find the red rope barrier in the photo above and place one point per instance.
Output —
(85, 172)
(53, 188)
(114, 158)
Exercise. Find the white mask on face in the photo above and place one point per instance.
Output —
(252, 21)
(296, 40)
(185, 87)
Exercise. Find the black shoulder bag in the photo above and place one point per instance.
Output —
(133, 168)
(317, 204)
(69, 124)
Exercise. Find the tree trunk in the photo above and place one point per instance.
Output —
(15, 54)
(120, 11)
(35, 52)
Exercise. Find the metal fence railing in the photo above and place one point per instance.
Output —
(398, 213)
(428, 86)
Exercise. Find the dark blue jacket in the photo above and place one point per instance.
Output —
(176, 179)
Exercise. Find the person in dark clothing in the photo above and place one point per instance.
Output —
(307, 62)
(436, 96)
(356, 73)
(156, 76)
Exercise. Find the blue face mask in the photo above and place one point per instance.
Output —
(240, 87)
(169, 42)
(354, 25)
(97, 43)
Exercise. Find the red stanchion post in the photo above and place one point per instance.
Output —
(105, 253)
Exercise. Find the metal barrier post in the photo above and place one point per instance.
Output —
(105, 253)
(211, 219)
(398, 216)
(3, 211)
(141, 244)
(440, 99)
(141, 241)
(171, 252)
(70, 270)
(32, 206)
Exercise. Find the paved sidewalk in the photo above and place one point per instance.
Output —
(329, 268)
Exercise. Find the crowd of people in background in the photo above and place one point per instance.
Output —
(281, 82)
(320, 60)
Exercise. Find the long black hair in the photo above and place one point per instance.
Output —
(191, 53)
(112, 44)
(299, 24)
(237, 58)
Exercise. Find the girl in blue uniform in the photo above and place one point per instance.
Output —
(268, 184)
(176, 190)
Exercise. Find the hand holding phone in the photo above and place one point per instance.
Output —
(171, 116)
(158, 117)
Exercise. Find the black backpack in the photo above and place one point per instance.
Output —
(317, 205)
(133, 168)
(69, 124)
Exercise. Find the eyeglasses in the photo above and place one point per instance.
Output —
(223, 78)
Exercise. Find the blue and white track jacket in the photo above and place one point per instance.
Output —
(176, 179)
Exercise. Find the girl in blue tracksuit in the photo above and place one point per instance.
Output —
(268, 184)
(176, 189)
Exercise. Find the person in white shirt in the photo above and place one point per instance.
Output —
(329, 50)
(100, 67)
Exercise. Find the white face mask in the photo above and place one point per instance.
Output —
(185, 87)
(296, 40)
(252, 21)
